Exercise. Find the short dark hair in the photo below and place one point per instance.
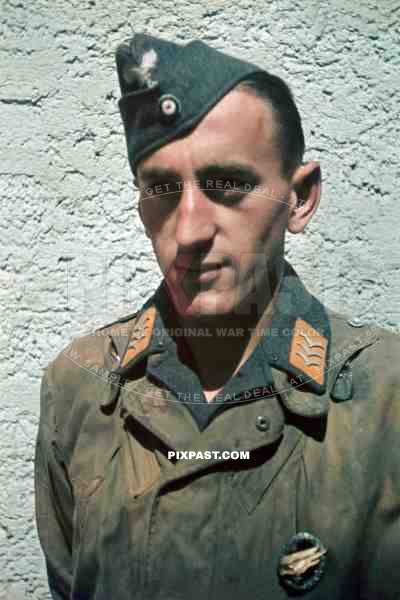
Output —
(279, 96)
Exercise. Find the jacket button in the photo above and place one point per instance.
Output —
(263, 423)
(355, 322)
(302, 562)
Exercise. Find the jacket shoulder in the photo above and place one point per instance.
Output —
(346, 328)
(78, 373)
(366, 358)
(89, 347)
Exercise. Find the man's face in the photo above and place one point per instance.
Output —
(217, 246)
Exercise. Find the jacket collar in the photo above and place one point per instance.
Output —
(296, 345)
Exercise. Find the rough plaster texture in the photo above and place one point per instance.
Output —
(73, 253)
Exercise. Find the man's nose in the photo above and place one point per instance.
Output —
(195, 224)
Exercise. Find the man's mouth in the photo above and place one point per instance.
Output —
(204, 267)
(204, 273)
(196, 270)
(192, 263)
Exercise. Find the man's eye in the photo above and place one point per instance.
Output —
(227, 191)
(154, 189)
(159, 189)
(233, 186)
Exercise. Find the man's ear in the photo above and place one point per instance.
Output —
(305, 196)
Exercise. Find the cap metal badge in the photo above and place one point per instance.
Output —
(302, 562)
(169, 107)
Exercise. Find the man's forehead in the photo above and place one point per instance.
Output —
(237, 112)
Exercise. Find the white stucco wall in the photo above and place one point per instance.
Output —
(72, 250)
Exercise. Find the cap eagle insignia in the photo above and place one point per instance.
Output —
(138, 74)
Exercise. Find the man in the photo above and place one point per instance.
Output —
(234, 438)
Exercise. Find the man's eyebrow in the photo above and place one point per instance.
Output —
(215, 170)
(156, 173)
(229, 169)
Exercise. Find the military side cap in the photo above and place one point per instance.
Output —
(167, 88)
